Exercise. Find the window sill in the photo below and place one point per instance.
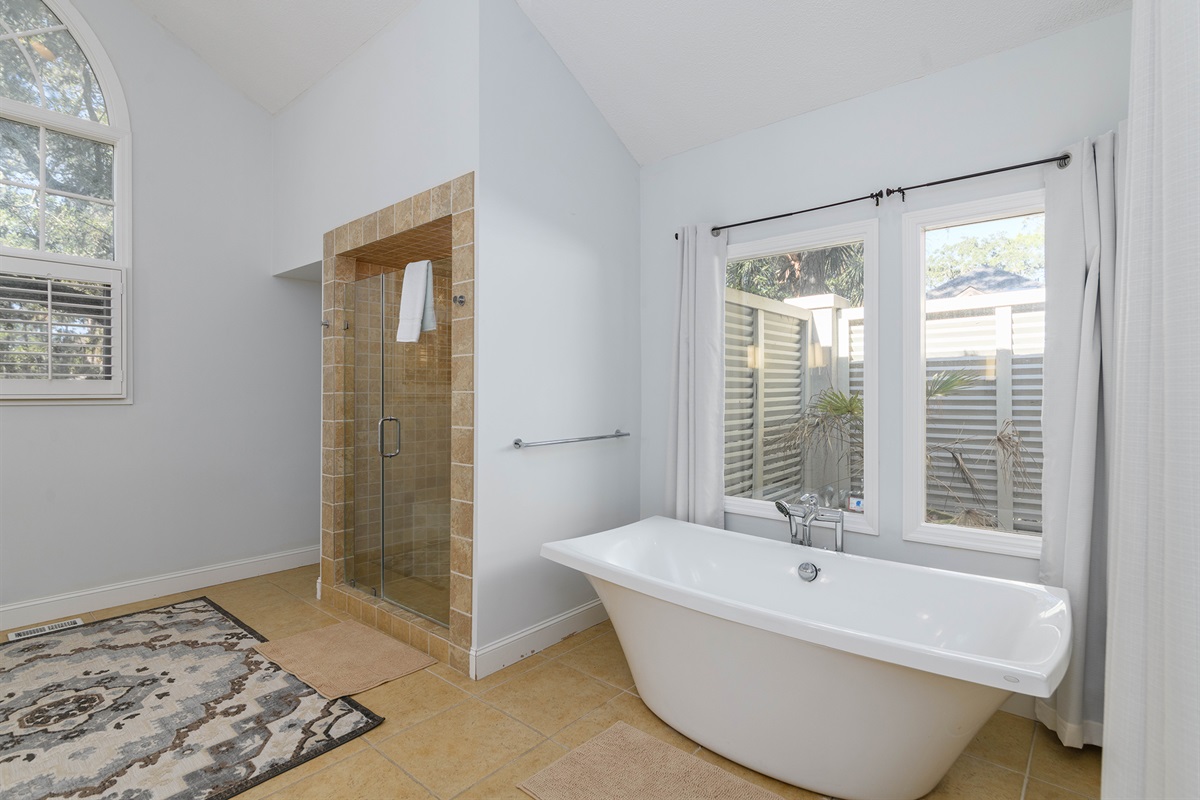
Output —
(764, 509)
(1008, 544)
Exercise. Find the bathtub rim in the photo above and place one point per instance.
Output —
(1036, 678)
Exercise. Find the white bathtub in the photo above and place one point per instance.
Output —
(864, 684)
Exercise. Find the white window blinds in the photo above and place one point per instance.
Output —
(61, 332)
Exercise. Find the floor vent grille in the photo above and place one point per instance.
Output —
(40, 629)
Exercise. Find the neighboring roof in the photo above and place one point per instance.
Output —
(985, 280)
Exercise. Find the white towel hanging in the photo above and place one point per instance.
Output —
(416, 302)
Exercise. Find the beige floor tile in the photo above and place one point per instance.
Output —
(455, 749)
(362, 776)
(406, 701)
(550, 697)
(143, 605)
(601, 658)
(86, 617)
(1068, 767)
(1004, 740)
(622, 708)
(974, 779)
(780, 788)
(491, 681)
(1040, 790)
(301, 581)
(340, 753)
(270, 610)
(576, 639)
(502, 785)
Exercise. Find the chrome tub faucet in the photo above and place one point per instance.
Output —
(800, 518)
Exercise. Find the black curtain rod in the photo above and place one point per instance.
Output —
(1063, 160)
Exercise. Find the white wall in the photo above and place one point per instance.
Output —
(216, 460)
(557, 327)
(1015, 106)
(399, 116)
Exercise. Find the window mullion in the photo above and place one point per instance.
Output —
(41, 188)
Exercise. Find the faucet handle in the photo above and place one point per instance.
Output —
(809, 500)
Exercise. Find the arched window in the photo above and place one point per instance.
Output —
(64, 209)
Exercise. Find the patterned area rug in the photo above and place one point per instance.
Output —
(168, 703)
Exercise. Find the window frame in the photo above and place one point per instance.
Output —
(914, 225)
(38, 262)
(866, 231)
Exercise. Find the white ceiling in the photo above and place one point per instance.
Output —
(668, 75)
(273, 50)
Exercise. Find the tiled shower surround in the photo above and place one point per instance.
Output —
(429, 386)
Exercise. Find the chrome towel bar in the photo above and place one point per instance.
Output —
(519, 444)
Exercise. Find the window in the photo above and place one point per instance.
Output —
(64, 210)
(975, 276)
(799, 372)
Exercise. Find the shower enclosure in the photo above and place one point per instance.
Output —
(398, 539)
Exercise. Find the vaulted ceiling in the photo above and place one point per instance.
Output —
(668, 75)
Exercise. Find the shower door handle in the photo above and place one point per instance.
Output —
(395, 452)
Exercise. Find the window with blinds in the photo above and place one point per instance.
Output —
(765, 345)
(60, 332)
(794, 410)
(983, 343)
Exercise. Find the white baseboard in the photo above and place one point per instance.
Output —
(498, 655)
(28, 612)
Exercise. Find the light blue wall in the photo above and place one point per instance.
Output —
(1015, 106)
(557, 329)
(217, 458)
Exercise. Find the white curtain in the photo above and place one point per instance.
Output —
(1152, 705)
(1081, 246)
(696, 423)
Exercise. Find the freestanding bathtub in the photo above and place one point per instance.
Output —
(864, 684)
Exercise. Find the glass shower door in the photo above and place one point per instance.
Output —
(416, 484)
(400, 549)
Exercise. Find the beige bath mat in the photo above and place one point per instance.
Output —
(346, 658)
(623, 763)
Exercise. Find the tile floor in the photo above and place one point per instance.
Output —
(446, 736)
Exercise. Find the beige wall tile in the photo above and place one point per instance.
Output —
(462, 444)
(461, 556)
(460, 593)
(439, 648)
(462, 338)
(421, 208)
(462, 518)
(462, 263)
(462, 412)
(460, 628)
(464, 229)
(465, 290)
(460, 660)
(327, 245)
(385, 222)
(402, 215)
(370, 228)
(439, 201)
(355, 235)
(462, 482)
(341, 238)
(463, 191)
